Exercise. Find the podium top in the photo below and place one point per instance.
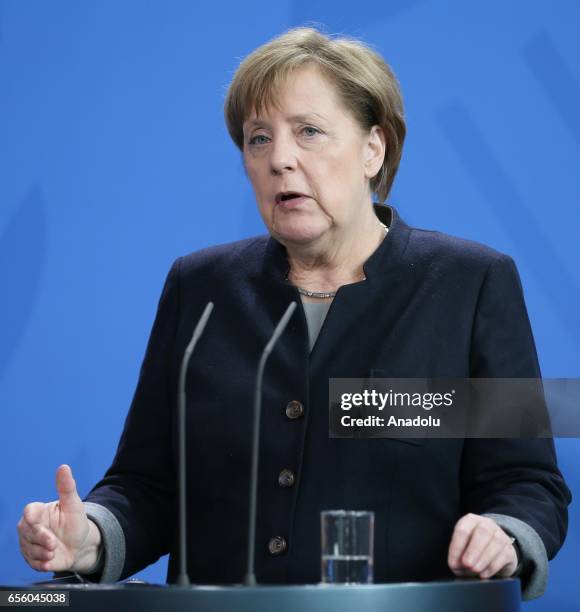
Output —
(452, 596)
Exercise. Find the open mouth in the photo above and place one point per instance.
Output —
(287, 195)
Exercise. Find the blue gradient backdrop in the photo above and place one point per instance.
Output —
(114, 160)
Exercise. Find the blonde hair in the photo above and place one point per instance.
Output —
(365, 83)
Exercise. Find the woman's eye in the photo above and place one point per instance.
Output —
(259, 139)
(310, 131)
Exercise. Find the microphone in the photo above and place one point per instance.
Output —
(250, 579)
(183, 577)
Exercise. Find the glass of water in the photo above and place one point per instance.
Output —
(347, 546)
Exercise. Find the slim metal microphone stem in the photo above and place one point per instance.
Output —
(250, 579)
(183, 577)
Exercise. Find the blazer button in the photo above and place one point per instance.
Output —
(294, 409)
(277, 545)
(286, 478)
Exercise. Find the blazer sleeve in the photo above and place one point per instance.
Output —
(517, 478)
(139, 487)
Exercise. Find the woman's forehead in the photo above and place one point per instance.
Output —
(303, 93)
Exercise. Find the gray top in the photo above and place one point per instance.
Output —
(532, 569)
(315, 314)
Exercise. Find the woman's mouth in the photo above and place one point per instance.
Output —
(290, 199)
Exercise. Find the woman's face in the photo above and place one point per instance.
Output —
(310, 146)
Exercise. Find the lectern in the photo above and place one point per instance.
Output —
(449, 596)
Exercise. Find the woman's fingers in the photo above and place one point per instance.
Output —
(34, 552)
(460, 541)
(37, 542)
(40, 536)
(37, 545)
(41, 566)
(503, 564)
(34, 513)
(493, 546)
(480, 546)
(48, 556)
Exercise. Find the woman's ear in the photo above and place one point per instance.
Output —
(375, 148)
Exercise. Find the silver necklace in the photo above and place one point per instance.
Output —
(324, 295)
(321, 295)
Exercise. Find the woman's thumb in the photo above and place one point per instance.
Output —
(67, 490)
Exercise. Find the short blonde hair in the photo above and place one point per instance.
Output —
(365, 83)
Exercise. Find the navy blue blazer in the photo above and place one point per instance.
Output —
(431, 306)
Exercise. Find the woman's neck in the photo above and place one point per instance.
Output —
(337, 258)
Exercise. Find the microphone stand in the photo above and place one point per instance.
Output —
(250, 578)
(183, 577)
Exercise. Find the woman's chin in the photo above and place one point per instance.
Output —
(299, 236)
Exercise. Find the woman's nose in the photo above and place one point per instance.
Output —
(283, 156)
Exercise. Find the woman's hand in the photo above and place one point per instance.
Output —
(479, 546)
(58, 536)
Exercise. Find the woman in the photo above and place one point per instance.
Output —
(320, 125)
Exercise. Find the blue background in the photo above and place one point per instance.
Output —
(114, 160)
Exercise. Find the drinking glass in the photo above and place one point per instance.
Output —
(347, 546)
